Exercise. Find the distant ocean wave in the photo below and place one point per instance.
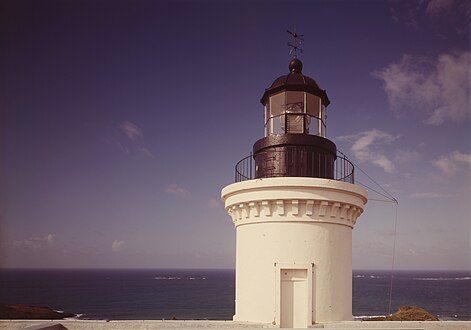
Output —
(449, 318)
(442, 278)
(75, 317)
(374, 276)
(369, 276)
(465, 278)
(441, 318)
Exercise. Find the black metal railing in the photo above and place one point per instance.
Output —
(245, 169)
(343, 170)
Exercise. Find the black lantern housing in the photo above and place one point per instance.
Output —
(294, 142)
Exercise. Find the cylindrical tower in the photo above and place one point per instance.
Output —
(294, 217)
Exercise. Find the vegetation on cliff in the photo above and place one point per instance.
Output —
(11, 312)
(408, 313)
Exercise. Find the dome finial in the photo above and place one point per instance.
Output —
(295, 65)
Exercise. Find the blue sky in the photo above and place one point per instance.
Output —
(122, 120)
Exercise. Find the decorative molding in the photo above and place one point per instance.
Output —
(309, 210)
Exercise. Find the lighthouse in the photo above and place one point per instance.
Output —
(294, 205)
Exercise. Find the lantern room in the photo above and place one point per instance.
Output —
(294, 142)
(294, 104)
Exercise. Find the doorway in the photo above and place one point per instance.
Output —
(294, 296)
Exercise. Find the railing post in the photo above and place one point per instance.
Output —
(344, 167)
(236, 173)
(251, 177)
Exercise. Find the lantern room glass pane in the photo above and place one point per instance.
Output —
(313, 105)
(296, 112)
(295, 123)
(295, 102)
(277, 103)
(313, 126)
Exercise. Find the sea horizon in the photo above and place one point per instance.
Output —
(206, 268)
(208, 294)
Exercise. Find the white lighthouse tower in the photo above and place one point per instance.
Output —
(294, 205)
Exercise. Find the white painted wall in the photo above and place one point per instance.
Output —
(293, 223)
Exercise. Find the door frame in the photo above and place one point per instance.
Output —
(310, 308)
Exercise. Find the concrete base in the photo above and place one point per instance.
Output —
(73, 324)
(155, 324)
(426, 325)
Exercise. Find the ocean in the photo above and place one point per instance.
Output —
(209, 294)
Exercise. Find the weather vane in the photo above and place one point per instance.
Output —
(296, 45)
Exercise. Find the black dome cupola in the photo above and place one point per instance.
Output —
(294, 142)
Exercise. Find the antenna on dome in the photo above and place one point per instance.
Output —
(297, 41)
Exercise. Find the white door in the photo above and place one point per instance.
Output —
(293, 297)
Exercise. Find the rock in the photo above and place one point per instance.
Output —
(53, 326)
(30, 312)
(408, 313)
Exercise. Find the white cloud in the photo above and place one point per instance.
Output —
(146, 152)
(366, 147)
(117, 245)
(438, 87)
(174, 189)
(214, 203)
(35, 243)
(453, 162)
(435, 7)
(438, 15)
(462, 158)
(430, 195)
(406, 12)
(51, 239)
(406, 156)
(446, 164)
(128, 138)
(131, 130)
(450, 9)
